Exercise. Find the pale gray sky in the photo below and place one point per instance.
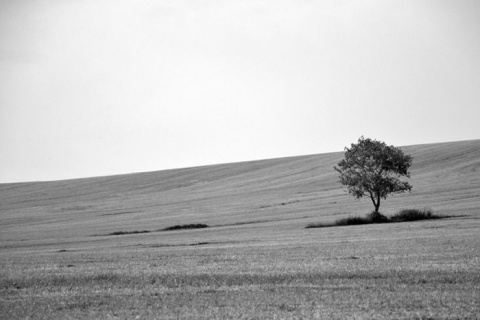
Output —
(101, 87)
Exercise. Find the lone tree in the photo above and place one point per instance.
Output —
(373, 169)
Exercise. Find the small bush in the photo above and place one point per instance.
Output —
(377, 217)
(185, 226)
(349, 221)
(414, 215)
(119, 233)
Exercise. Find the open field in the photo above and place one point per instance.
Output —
(256, 260)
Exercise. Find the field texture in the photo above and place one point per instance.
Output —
(59, 258)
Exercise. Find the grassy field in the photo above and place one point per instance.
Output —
(256, 260)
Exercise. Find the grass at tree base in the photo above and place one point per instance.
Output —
(405, 215)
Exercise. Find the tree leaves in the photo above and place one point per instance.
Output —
(372, 168)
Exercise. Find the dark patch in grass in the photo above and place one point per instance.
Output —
(166, 245)
(121, 233)
(199, 243)
(118, 233)
(185, 226)
(402, 216)
(259, 221)
(245, 222)
(287, 307)
(177, 227)
(278, 204)
(77, 208)
(159, 245)
(209, 291)
(117, 213)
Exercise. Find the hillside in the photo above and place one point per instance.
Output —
(279, 193)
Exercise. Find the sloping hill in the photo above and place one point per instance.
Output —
(288, 191)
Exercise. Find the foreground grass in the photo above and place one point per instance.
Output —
(416, 271)
(333, 295)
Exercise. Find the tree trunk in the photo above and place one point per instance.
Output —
(376, 216)
(376, 202)
(377, 206)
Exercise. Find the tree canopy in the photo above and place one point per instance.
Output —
(372, 168)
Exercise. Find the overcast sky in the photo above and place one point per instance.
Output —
(102, 87)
